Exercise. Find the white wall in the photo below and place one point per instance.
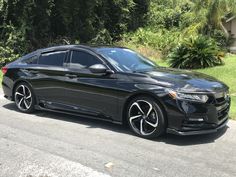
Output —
(233, 28)
(233, 33)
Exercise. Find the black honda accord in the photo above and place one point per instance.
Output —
(118, 85)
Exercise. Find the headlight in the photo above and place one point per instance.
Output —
(189, 97)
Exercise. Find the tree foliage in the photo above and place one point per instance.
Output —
(43, 22)
(210, 13)
(26, 25)
(171, 21)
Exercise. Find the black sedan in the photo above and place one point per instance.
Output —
(118, 85)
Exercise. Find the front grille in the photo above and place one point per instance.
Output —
(220, 100)
(223, 112)
(194, 126)
(222, 105)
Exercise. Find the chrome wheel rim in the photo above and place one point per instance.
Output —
(23, 97)
(143, 117)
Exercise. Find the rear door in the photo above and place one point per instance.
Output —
(90, 93)
(48, 77)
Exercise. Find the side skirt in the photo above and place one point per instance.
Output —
(37, 107)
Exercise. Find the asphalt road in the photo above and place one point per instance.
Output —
(50, 145)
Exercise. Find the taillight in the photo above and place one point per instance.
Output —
(4, 70)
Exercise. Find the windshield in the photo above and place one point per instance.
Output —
(126, 60)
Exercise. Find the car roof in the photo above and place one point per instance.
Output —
(67, 47)
(63, 47)
(93, 48)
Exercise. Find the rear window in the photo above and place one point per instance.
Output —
(31, 60)
(52, 59)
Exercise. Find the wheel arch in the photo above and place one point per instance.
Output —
(146, 94)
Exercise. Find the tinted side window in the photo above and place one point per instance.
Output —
(52, 59)
(31, 60)
(82, 59)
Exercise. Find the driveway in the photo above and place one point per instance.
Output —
(50, 145)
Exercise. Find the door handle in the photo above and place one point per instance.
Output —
(71, 75)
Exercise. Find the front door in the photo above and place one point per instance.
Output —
(89, 93)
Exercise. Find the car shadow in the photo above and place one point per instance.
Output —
(93, 123)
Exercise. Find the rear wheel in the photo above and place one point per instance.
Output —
(24, 98)
(145, 117)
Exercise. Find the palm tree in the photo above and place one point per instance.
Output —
(211, 13)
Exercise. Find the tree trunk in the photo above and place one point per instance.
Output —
(224, 30)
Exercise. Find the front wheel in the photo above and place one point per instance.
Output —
(146, 118)
(24, 98)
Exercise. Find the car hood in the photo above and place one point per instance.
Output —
(186, 81)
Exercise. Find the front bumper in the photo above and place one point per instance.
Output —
(198, 132)
(191, 118)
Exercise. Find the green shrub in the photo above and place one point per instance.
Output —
(195, 53)
(103, 37)
(13, 38)
(221, 39)
(6, 55)
(12, 44)
(159, 39)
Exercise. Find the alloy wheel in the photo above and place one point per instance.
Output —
(143, 117)
(23, 97)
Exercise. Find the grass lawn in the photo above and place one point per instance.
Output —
(225, 73)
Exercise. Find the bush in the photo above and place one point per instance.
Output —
(6, 55)
(221, 39)
(103, 37)
(195, 53)
(158, 39)
(12, 44)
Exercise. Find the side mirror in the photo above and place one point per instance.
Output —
(99, 69)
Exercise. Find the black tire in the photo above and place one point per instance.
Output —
(153, 122)
(24, 98)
